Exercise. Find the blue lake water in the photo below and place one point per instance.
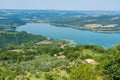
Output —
(79, 36)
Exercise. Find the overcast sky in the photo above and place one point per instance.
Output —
(61, 4)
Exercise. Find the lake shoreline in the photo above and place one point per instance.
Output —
(66, 33)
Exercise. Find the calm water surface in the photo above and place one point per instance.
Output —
(80, 37)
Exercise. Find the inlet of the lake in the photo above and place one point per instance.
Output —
(79, 36)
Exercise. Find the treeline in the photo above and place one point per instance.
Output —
(80, 22)
(10, 23)
(11, 37)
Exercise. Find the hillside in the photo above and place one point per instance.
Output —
(97, 21)
(18, 38)
(25, 56)
(103, 23)
(48, 59)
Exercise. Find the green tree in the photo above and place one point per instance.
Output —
(112, 69)
(83, 72)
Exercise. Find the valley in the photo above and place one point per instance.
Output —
(59, 45)
(96, 21)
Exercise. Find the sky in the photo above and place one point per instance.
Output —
(61, 4)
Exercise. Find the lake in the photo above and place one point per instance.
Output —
(64, 33)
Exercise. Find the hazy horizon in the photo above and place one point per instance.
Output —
(57, 9)
(93, 5)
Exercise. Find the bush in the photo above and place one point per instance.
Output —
(83, 72)
(112, 69)
(51, 76)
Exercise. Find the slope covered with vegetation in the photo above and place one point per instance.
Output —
(11, 37)
(10, 23)
(49, 59)
(25, 56)
(102, 23)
